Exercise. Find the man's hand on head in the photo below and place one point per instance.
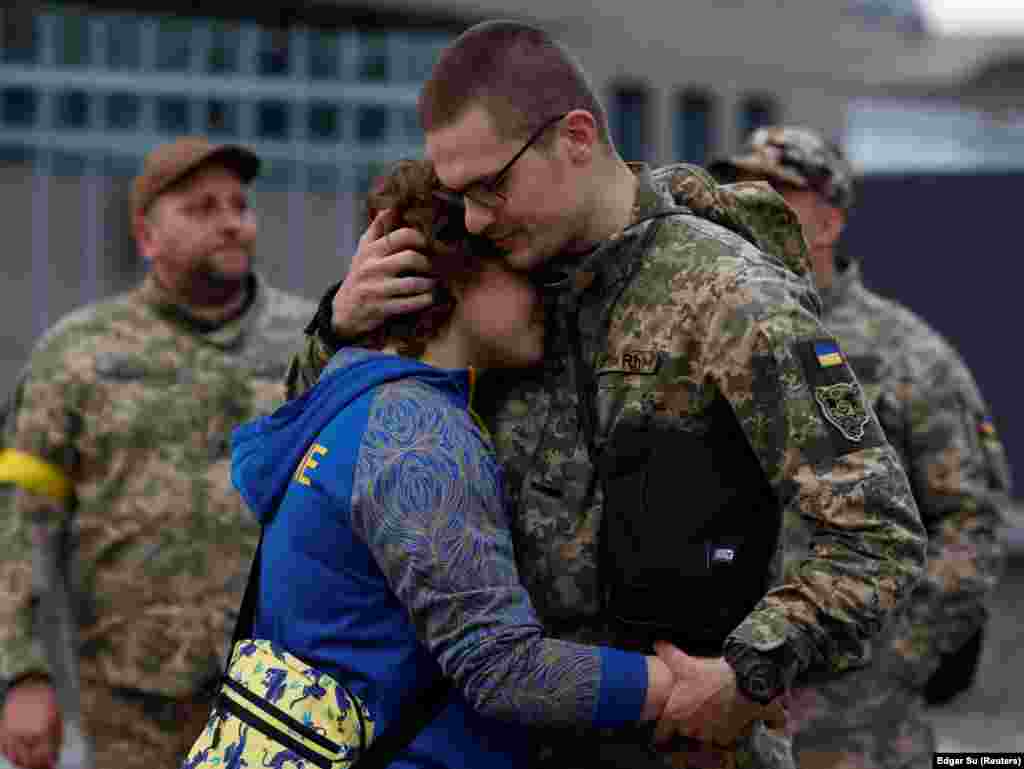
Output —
(388, 277)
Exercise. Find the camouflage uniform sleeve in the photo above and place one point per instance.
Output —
(39, 428)
(307, 364)
(958, 471)
(318, 348)
(823, 452)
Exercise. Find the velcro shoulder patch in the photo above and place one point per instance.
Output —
(838, 395)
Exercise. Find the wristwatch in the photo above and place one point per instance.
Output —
(759, 678)
(762, 674)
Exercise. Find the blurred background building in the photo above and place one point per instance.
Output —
(325, 92)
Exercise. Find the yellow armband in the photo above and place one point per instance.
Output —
(34, 475)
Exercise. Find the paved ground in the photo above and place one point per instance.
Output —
(990, 717)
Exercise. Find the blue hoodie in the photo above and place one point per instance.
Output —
(387, 559)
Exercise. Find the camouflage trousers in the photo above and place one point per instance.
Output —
(632, 749)
(132, 730)
(867, 719)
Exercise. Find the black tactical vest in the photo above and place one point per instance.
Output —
(689, 529)
(689, 522)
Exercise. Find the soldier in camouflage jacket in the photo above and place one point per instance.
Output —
(933, 414)
(128, 406)
(674, 332)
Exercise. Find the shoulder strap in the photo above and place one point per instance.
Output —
(247, 610)
(414, 715)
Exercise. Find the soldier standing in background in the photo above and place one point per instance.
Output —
(933, 414)
(118, 446)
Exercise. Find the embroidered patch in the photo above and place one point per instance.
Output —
(633, 362)
(986, 429)
(828, 354)
(842, 406)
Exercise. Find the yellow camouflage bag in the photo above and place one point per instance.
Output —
(275, 711)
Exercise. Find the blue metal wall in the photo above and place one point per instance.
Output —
(949, 246)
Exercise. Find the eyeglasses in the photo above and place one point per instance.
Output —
(484, 192)
(451, 225)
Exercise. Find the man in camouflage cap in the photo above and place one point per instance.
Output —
(932, 412)
(689, 394)
(118, 443)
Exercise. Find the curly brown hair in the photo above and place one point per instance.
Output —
(408, 188)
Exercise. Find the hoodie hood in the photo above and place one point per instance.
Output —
(266, 451)
(753, 210)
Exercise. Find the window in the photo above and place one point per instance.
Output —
(173, 45)
(124, 48)
(374, 62)
(112, 81)
(324, 122)
(272, 120)
(892, 135)
(902, 14)
(222, 58)
(19, 107)
(73, 46)
(694, 128)
(172, 115)
(72, 110)
(755, 112)
(222, 118)
(324, 55)
(274, 53)
(123, 111)
(372, 125)
(629, 122)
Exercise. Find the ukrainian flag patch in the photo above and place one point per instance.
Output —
(986, 428)
(828, 354)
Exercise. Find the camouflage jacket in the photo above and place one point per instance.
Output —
(133, 403)
(697, 314)
(933, 414)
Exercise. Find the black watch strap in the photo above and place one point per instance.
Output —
(760, 680)
(763, 674)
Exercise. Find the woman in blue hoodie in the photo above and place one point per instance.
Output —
(387, 558)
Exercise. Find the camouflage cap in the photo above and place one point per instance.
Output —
(792, 155)
(171, 162)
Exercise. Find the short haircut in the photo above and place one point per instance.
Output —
(408, 188)
(518, 73)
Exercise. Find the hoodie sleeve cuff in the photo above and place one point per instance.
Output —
(623, 689)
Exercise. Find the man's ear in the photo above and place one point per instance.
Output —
(142, 228)
(833, 221)
(579, 129)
